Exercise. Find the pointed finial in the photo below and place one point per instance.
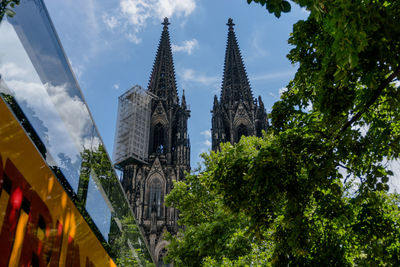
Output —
(165, 23)
(215, 100)
(230, 24)
(183, 98)
(260, 102)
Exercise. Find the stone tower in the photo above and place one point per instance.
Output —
(237, 113)
(147, 182)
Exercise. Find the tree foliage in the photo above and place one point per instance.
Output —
(6, 7)
(314, 189)
(210, 230)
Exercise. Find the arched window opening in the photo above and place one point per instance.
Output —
(241, 131)
(227, 137)
(259, 129)
(155, 197)
(158, 139)
(161, 257)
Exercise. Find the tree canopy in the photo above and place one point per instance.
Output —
(6, 7)
(314, 189)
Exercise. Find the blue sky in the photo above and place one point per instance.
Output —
(112, 46)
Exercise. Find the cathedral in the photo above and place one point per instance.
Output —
(147, 183)
(147, 179)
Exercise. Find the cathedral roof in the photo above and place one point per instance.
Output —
(162, 80)
(235, 84)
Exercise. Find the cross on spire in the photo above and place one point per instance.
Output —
(165, 23)
(230, 24)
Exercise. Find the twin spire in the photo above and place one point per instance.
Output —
(235, 83)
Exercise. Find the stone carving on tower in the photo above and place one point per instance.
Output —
(147, 182)
(237, 113)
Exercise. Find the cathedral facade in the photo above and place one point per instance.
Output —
(236, 113)
(147, 183)
(148, 179)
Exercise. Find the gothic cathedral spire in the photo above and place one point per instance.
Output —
(235, 84)
(237, 113)
(162, 80)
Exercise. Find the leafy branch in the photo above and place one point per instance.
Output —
(372, 100)
(6, 8)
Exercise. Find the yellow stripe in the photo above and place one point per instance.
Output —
(19, 239)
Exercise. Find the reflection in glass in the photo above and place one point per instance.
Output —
(98, 208)
(38, 84)
(41, 108)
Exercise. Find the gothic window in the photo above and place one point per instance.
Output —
(241, 131)
(227, 137)
(259, 129)
(161, 257)
(158, 138)
(155, 197)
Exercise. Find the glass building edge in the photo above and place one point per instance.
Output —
(33, 179)
(36, 54)
(114, 176)
(143, 257)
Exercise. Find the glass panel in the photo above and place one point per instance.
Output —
(98, 209)
(60, 119)
(37, 83)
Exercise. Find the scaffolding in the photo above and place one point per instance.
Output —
(133, 127)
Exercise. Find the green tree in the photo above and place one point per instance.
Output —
(6, 8)
(209, 230)
(315, 186)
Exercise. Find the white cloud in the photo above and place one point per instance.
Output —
(206, 143)
(110, 21)
(394, 181)
(166, 8)
(116, 86)
(133, 38)
(69, 121)
(136, 11)
(11, 70)
(187, 46)
(304, 11)
(78, 69)
(257, 45)
(271, 76)
(206, 134)
(92, 17)
(133, 15)
(282, 90)
(189, 75)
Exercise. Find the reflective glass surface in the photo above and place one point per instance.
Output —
(38, 84)
(97, 208)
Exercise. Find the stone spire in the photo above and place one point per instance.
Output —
(162, 80)
(183, 100)
(235, 84)
(237, 113)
